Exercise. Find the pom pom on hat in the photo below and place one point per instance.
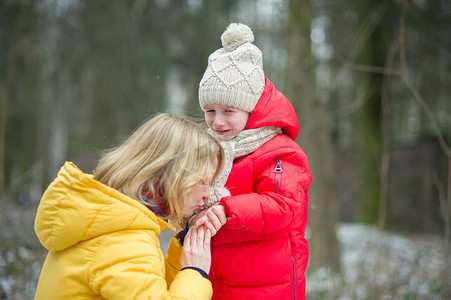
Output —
(236, 35)
(234, 75)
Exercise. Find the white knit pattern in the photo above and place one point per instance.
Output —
(234, 75)
(246, 142)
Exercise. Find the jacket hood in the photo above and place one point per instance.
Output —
(75, 207)
(274, 109)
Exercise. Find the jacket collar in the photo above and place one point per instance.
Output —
(274, 109)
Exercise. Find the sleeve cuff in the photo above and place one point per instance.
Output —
(222, 202)
(202, 272)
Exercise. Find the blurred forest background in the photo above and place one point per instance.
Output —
(370, 81)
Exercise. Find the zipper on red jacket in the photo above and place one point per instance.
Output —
(294, 277)
(278, 170)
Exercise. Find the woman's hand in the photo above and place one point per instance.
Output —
(196, 249)
(213, 218)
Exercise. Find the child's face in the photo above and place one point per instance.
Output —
(225, 121)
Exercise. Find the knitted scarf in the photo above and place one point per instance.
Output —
(246, 142)
(156, 205)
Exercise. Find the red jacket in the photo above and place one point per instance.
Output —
(261, 253)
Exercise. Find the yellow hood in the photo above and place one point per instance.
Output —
(75, 207)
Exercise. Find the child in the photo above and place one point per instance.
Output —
(261, 252)
(101, 230)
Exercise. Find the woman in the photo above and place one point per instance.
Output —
(261, 252)
(101, 230)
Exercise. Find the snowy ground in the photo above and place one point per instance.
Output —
(375, 265)
(378, 265)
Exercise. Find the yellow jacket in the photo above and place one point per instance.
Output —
(104, 245)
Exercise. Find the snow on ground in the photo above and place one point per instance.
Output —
(380, 265)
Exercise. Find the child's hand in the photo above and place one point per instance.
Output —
(213, 219)
(201, 214)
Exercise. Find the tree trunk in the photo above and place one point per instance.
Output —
(369, 120)
(315, 139)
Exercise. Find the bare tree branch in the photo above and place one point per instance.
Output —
(410, 85)
(372, 69)
(441, 193)
(371, 21)
(446, 208)
(385, 137)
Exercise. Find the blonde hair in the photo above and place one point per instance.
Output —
(167, 156)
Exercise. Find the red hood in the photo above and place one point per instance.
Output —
(273, 109)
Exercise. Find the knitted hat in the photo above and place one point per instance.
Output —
(234, 74)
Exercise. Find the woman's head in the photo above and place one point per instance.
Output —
(169, 157)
